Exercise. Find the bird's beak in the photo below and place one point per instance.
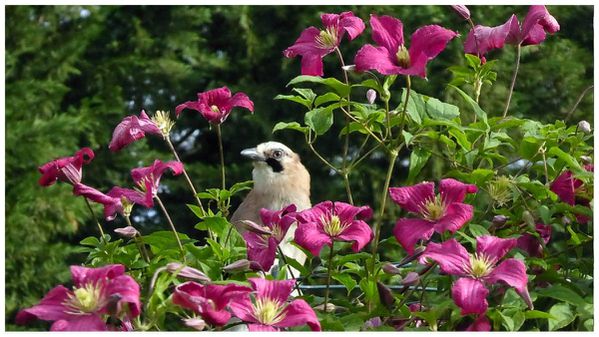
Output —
(253, 154)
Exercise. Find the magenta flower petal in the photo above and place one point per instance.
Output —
(426, 43)
(377, 58)
(451, 256)
(279, 221)
(482, 39)
(67, 169)
(411, 198)
(275, 290)
(456, 216)
(409, 231)
(452, 190)
(537, 22)
(480, 324)
(512, 272)
(311, 236)
(261, 249)
(462, 10)
(299, 312)
(359, 232)
(494, 247)
(82, 275)
(83, 323)
(127, 291)
(192, 105)
(470, 295)
(130, 129)
(154, 172)
(261, 328)
(134, 196)
(345, 22)
(215, 105)
(50, 308)
(564, 186)
(387, 32)
(112, 206)
(311, 54)
(347, 211)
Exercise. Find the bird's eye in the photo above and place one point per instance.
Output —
(277, 154)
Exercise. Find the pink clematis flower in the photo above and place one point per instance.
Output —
(67, 169)
(262, 248)
(392, 57)
(267, 307)
(481, 323)
(477, 271)
(462, 10)
(97, 292)
(531, 244)
(153, 173)
(216, 105)
(314, 44)
(328, 222)
(130, 129)
(117, 200)
(439, 213)
(209, 301)
(573, 191)
(537, 23)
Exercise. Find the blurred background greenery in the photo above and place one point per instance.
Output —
(73, 72)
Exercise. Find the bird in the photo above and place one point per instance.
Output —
(280, 179)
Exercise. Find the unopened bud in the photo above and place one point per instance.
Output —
(417, 252)
(128, 232)
(385, 295)
(584, 126)
(500, 220)
(329, 308)
(237, 266)
(586, 159)
(462, 10)
(195, 322)
(371, 96)
(528, 218)
(254, 227)
(374, 322)
(389, 268)
(566, 221)
(411, 278)
(187, 272)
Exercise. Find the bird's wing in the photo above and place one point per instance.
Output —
(248, 210)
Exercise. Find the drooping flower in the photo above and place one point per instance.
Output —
(97, 293)
(391, 56)
(117, 200)
(209, 301)
(478, 271)
(462, 10)
(67, 169)
(153, 173)
(314, 44)
(531, 244)
(438, 213)
(130, 129)
(262, 248)
(333, 221)
(573, 191)
(267, 307)
(533, 29)
(215, 105)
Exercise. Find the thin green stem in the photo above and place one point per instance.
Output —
(347, 187)
(189, 183)
(514, 76)
(329, 271)
(346, 142)
(91, 210)
(405, 105)
(140, 242)
(222, 156)
(170, 222)
(290, 269)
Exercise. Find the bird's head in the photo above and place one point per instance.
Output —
(276, 165)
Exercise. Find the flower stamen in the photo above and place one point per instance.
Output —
(86, 299)
(328, 38)
(403, 57)
(433, 209)
(480, 265)
(334, 226)
(268, 311)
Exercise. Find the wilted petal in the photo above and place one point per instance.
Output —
(470, 295)
(494, 247)
(412, 198)
(387, 32)
(456, 216)
(482, 39)
(297, 313)
(451, 256)
(480, 324)
(452, 190)
(409, 231)
(359, 232)
(426, 43)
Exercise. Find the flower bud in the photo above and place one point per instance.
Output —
(128, 232)
(187, 272)
(586, 159)
(238, 266)
(411, 278)
(528, 218)
(371, 96)
(374, 322)
(385, 295)
(417, 252)
(195, 322)
(330, 307)
(462, 11)
(500, 220)
(566, 221)
(254, 227)
(584, 126)
(389, 268)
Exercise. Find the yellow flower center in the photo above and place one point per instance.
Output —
(480, 266)
(433, 209)
(267, 311)
(277, 233)
(215, 108)
(127, 206)
(163, 122)
(500, 190)
(334, 226)
(85, 299)
(403, 57)
(327, 38)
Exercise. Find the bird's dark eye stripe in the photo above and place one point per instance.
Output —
(275, 165)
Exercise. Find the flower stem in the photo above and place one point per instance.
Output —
(193, 190)
(290, 269)
(329, 270)
(405, 105)
(170, 222)
(509, 97)
(140, 242)
(346, 143)
(91, 210)
(222, 156)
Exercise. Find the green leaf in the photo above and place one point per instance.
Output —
(555, 151)
(216, 224)
(90, 241)
(440, 110)
(473, 61)
(562, 314)
(291, 126)
(461, 138)
(297, 266)
(196, 210)
(370, 290)
(297, 99)
(418, 159)
(346, 280)
(480, 113)
(535, 314)
(328, 97)
(306, 93)
(341, 88)
(319, 120)
(562, 293)
(477, 230)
